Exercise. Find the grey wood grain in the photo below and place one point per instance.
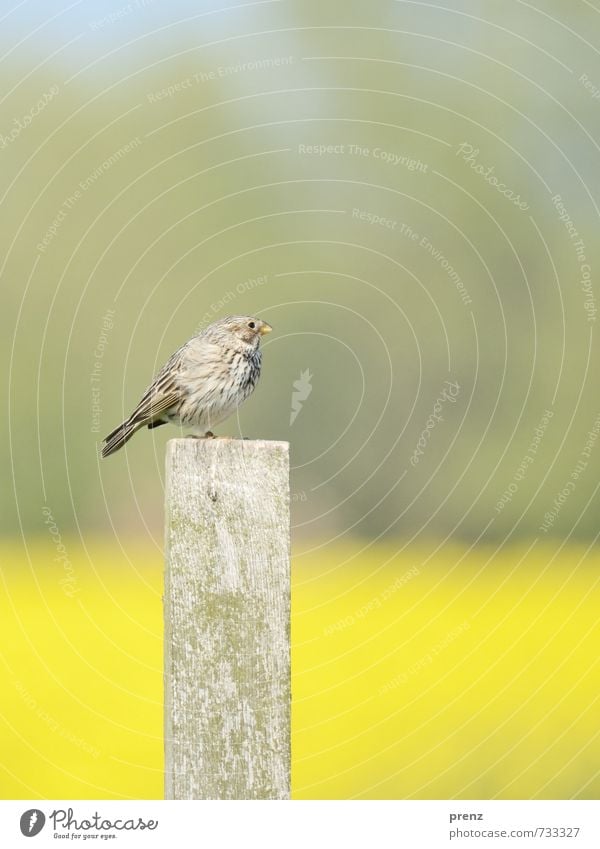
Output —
(227, 620)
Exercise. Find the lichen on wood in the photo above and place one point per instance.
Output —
(227, 620)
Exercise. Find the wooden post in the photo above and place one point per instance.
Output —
(227, 620)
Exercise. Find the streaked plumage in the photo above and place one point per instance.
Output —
(202, 383)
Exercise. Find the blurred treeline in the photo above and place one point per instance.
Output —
(190, 193)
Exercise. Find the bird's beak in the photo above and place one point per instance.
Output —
(265, 328)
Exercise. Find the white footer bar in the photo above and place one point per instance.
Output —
(302, 825)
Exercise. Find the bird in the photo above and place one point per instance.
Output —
(202, 383)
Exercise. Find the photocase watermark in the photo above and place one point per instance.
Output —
(52, 723)
(96, 373)
(95, 825)
(72, 200)
(448, 393)
(374, 603)
(220, 72)
(390, 157)
(301, 389)
(526, 461)
(562, 496)
(589, 86)
(372, 218)
(425, 243)
(230, 295)
(585, 269)
(298, 496)
(69, 581)
(426, 659)
(22, 123)
(118, 14)
(469, 155)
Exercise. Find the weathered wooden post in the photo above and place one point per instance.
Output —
(227, 618)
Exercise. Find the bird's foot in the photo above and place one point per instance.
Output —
(210, 435)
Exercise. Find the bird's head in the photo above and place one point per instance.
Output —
(245, 328)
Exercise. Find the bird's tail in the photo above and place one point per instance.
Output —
(118, 437)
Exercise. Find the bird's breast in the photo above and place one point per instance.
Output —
(211, 394)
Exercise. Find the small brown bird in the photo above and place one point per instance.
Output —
(203, 383)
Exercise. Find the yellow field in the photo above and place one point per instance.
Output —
(453, 675)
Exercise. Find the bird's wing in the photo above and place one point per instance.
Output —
(162, 393)
(150, 407)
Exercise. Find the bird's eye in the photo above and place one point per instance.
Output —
(251, 325)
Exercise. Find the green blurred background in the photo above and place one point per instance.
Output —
(408, 193)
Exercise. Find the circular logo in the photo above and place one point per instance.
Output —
(32, 822)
